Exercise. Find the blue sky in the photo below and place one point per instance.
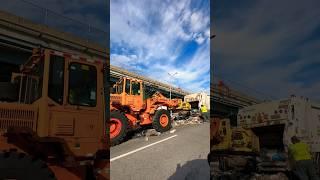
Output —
(154, 38)
(269, 47)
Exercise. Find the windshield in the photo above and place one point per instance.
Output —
(117, 88)
(135, 88)
(82, 85)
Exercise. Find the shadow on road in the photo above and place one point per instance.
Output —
(195, 169)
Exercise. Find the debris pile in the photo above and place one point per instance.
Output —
(147, 133)
(172, 131)
(271, 159)
(278, 176)
(190, 120)
(272, 155)
(151, 132)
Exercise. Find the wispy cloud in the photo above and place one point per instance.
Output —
(266, 45)
(160, 37)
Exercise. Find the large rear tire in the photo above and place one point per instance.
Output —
(118, 127)
(161, 121)
(18, 166)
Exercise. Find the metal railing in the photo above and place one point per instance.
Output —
(118, 72)
(232, 97)
(40, 15)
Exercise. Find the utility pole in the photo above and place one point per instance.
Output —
(172, 75)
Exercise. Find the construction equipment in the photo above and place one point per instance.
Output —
(52, 119)
(130, 110)
(263, 133)
(184, 106)
(183, 111)
(197, 99)
(235, 139)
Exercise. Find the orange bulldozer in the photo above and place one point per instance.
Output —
(130, 110)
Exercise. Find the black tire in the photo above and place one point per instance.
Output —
(8, 92)
(18, 166)
(124, 127)
(156, 121)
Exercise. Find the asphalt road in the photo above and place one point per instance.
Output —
(174, 156)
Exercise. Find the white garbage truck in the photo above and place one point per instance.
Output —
(264, 130)
(198, 99)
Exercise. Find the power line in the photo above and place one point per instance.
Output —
(61, 15)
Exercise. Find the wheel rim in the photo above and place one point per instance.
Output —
(164, 120)
(115, 127)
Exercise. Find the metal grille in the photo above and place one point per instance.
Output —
(64, 129)
(17, 117)
(115, 98)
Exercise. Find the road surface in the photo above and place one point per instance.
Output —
(174, 156)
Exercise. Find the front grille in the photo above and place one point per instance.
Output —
(115, 98)
(64, 128)
(17, 115)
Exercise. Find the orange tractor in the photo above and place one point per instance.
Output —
(52, 119)
(130, 109)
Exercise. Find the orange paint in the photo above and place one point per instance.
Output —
(128, 98)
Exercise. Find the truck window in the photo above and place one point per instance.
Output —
(135, 88)
(127, 86)
(56, 78)
(117, 88)
(120, 87)
(82, 85)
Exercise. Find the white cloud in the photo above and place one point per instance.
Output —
(200, 39)
(157, 32)
(193, 75)
(198, 21)
(207, 33)
(123, 59)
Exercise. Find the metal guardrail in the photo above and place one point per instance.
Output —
(23, 34)
(54, 20)
(232, 97)
(118, 72)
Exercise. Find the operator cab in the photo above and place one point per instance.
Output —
(59, 95)
(129, 91)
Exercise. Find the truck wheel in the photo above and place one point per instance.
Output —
(161, 121)
(8, 92)
(118, 127)
(15, 165)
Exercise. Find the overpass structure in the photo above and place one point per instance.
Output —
(18, 36)
(226, 103)
(23, 35)
(232, 98)
(117, 72)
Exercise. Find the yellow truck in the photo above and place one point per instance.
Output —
(53, 119)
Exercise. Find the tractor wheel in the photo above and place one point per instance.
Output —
(118, 127)
(15, 165)
(8, 92)
(161, 120)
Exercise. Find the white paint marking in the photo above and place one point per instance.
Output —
(139, 149)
